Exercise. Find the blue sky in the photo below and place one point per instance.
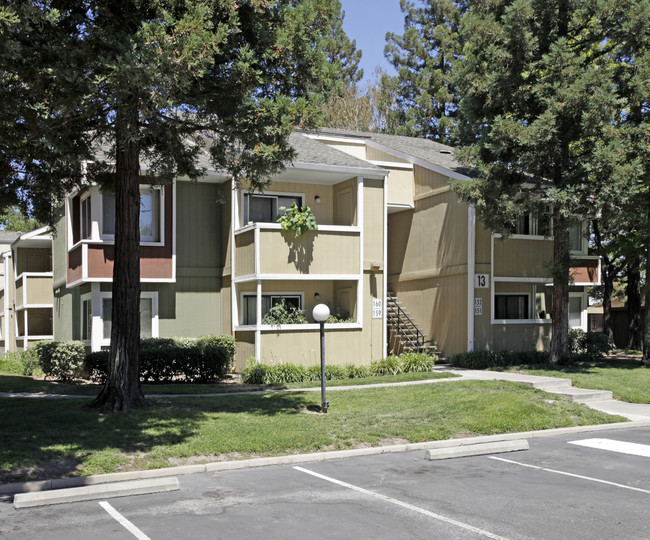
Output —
(367, 22)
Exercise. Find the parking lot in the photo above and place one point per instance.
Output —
(585, 485)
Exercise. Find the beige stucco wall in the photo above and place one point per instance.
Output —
(519, 257)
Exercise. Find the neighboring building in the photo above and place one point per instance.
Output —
(464, 287)
(26, 296)
(214, 260)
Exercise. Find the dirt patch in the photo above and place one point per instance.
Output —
(52, 468)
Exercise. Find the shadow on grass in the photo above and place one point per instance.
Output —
(586, 367)
(48, 439)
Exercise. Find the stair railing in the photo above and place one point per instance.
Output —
(402, 323)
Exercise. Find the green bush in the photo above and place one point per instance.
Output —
(390, 365)
(203, 359)
(62, 360)
(589, 345)
(490, 359)
(282, 313)
(357, 372)
(417, 362)
(298, 220)
(11, 363)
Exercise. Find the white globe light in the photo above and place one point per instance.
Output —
(321, 313)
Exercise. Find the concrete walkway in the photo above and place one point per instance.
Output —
(600, 400)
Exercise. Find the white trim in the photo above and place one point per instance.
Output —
(333, 138)
(258, 323)
(97, 325)
(360, 223)
(584, 304)
(106, 341)
(257, 264)
(34, 306)
(291, 327)
(384, 333)
(522, 321)
(425, 164)
(392, 164)
(471, 271)
(522, 237)
(5, 323)
(505, 279)
(173, 230)
(375, 174)
(298, 277)
(243, 294)
(278, 227)
(234, 219)
(87, 340)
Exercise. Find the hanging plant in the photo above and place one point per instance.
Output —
(298, 220)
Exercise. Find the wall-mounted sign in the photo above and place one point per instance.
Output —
(482, 281)
(377, 311)
(478, 306)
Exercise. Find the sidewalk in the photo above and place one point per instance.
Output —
(600, 400)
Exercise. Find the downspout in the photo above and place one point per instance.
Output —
(471, 271)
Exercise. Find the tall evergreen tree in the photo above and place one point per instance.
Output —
(146, 78)
(423, 56)
(341, 51)
(537, 113)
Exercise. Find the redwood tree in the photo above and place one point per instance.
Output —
(159, 80)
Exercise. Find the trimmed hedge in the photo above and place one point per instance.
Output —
(62, 360)
(287, 373)
(589, 345)
(163, 360)
(489, 359)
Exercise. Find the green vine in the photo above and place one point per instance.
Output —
(298, 220)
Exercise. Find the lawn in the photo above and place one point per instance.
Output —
(55, 438)
(629, 380)
(19, 383)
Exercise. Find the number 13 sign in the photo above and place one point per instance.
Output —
(482, 281)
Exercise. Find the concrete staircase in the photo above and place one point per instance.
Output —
(404, 335)
(564, 387)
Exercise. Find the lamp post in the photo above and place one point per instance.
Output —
(321, 313)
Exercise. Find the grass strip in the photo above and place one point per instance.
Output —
(629, 380)
(20, 383)
(59, 438)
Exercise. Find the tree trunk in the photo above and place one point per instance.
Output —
(646, 333)
(122, 389)
(633, 289)
(608, 275)
(561, 269)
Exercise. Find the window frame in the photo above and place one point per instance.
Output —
(148, 241)
(87, 317)
(85, 216)
(245, 198)
(527, 295)
(272, 295)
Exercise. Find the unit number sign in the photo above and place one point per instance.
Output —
(376, 308)
(478, 306)
(482, 281)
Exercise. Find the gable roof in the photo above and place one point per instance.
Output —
(410, 148)
(313, 152)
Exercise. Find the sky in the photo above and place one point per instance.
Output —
(367, 22)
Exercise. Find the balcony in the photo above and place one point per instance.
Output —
(34, 290)
(265, 251)
(91, 260)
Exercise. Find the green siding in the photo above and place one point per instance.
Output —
(66, 314)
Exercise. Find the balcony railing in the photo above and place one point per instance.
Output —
(265, 250)
(34, 289)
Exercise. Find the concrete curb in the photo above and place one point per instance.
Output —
(77, 481)
(89, 493)
(477, 449)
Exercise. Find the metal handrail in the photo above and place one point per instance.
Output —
(401, 314)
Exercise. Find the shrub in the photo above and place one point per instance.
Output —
(282, 313)
(274, 373)
(29, 362)
(11, 363)
(338, 316)
(590, 345)
(417, 362)
(489, 359)
(62, 360)
(203, 359)
(357, 372)
(390, 365)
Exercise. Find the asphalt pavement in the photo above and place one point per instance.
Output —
(588, 485)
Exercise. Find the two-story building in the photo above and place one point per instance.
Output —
(214, 260)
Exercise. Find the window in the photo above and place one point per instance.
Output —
(268, 301)
(149, 214)
(86, 218)
(533, 224)
(575, 312)
(265, 208)
(511, 306)
(575, 237)
(146, 316)
(86, 319)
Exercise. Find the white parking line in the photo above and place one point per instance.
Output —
(404, 505)
(570, 474)
(123, 521)
(615, 446)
